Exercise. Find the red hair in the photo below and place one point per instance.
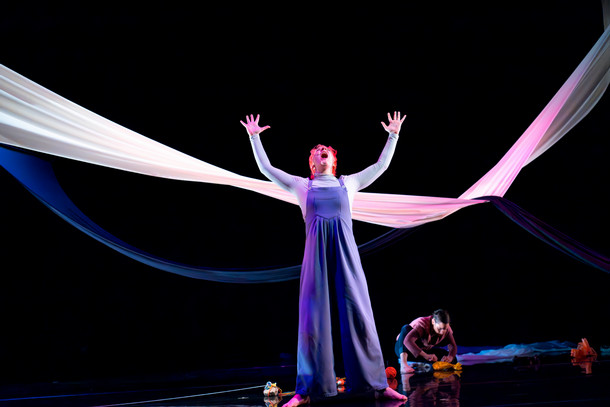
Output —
(313, 151)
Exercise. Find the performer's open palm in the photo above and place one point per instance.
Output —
(394, 124)
(252, 126)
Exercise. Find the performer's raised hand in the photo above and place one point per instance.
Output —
(252, 126)
(394, 124)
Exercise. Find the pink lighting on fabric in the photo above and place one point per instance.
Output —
(35, 118)
(571, 103)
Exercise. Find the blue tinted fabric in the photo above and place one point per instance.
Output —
(550, 235)
(38, 177)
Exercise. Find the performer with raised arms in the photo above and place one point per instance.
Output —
(332, 267)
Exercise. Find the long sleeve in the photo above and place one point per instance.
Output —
(365, 177)
(281, 178)
(410, 344)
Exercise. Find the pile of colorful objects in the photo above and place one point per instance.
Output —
(273, 394)
(584, 356)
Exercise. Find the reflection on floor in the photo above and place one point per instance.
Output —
(524, 381)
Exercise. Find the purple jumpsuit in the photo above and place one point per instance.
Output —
(332, 269)
(331, 256)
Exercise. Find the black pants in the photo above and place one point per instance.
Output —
(399, 347)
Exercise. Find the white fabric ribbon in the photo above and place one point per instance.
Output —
(34, 118)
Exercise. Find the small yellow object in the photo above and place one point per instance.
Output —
(446, 374)
(446, 366)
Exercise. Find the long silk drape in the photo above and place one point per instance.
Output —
(35, 118)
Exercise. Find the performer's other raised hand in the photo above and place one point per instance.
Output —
(394, 124)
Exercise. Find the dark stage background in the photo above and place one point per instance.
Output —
(470, 78)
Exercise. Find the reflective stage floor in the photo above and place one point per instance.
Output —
(533, 381)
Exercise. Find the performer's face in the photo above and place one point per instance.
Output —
(439, 327)
(323, 159)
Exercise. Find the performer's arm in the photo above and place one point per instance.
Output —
(281, 178)
(410, 344)
(365, 177)
(415, 350)
(452, 348)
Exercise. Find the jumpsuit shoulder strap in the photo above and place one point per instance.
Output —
(341, 182)
(309, 184)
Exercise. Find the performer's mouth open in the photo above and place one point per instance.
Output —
(324, 155)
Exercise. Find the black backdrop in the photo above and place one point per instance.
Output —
(470, 78)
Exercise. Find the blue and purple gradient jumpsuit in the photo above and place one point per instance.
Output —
(331, 262)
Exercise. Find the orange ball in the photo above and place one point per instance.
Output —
(390, 372)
